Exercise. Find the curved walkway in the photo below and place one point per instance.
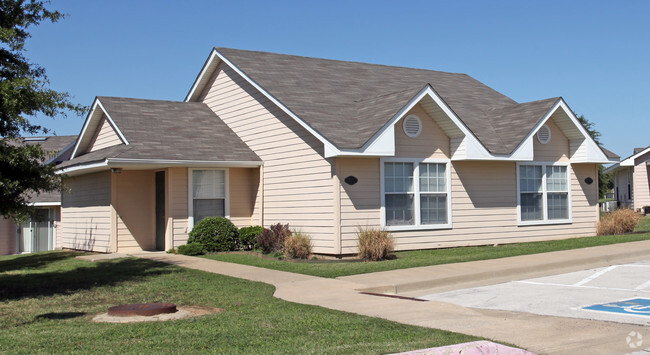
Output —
(537, 333)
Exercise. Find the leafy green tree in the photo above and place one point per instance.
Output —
(24, 93)
(605, 181)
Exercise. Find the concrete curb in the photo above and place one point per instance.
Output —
(447, 277)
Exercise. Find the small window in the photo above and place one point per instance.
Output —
(207, 194)
(412, 126)
(544, 134)
(543, 193)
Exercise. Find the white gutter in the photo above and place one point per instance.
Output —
(155, 163)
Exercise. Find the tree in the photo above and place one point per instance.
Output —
(605, 181)
(24, 93)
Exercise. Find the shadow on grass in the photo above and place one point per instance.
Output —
(34, 261)
(61, 315)
(106, 273)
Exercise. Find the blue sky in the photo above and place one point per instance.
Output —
(595, 54)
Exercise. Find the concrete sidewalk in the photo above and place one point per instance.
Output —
(539, 334)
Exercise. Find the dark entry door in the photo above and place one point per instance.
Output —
(160, 210)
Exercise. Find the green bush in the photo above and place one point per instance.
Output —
(191, 249)
(248, 236)
(215, 234)
(375, 244)
(297, 246)
(272, 238)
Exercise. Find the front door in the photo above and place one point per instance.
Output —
(160, 210)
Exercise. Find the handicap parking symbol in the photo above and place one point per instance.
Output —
(634, 306)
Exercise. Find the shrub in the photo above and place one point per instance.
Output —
(215, 234)
(172, 251)
(248, 236)
(272, 238)
(297, 246)
(620, 221)
(191, 249)
(375, 244)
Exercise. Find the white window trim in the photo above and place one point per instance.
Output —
(544, 221)
(416, 192)
(190, 198)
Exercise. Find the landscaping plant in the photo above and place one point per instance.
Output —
(297, 246)
(272, 238)
(215, 234)
(248, 236)
(374, 244)
(191, 249)
(618, 222)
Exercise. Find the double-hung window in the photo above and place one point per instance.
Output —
(415, 195)
(207, 194)
(543, 193)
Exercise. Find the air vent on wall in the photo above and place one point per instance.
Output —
(544, 134)
(412, 126)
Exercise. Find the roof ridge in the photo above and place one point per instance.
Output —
(340, 61)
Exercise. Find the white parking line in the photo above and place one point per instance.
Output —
(582, 286)
(595, 275)
(644, 285)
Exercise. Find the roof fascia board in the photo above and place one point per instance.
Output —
(125, 162)
(216, 54)
(113, 125)
(612, 168)
(594, 153)
(383, 142)
(82, 167)
(201, 76)
(84, 128)
(46, 204)
(91, 116)
(630, 160)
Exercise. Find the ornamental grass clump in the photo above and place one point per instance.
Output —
(618, 222)
(297, 246)
(375, 244)
(215, 234)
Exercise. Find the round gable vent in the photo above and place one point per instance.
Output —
(412, 126)
(544, 134)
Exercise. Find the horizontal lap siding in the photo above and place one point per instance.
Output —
(106, 137)
(641, 182)
(8, 236)
(484, 207)
(297, 181)
(243, 189)
(177, 214)
(135, 210)
(86, 212)
(432, 142)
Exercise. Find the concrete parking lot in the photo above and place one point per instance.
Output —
(617, 293)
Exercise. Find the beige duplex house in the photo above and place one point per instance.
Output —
(328, 146)
(632, 180)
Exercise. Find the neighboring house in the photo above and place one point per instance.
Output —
(38, 234)
(330, 146)
(632, 180)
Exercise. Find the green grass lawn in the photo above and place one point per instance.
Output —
(47, 301)
(408, 259)
(644, 225)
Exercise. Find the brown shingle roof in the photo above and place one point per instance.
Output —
(168, 130)
(348, 102)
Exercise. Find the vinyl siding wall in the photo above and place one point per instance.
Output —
(297, 181)
(105, 137)
(557, 148)
(484, 196)
(177, 206)
(135, 207)
(86, 212)
(243, 190)
(8, 236)
(641, 181)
